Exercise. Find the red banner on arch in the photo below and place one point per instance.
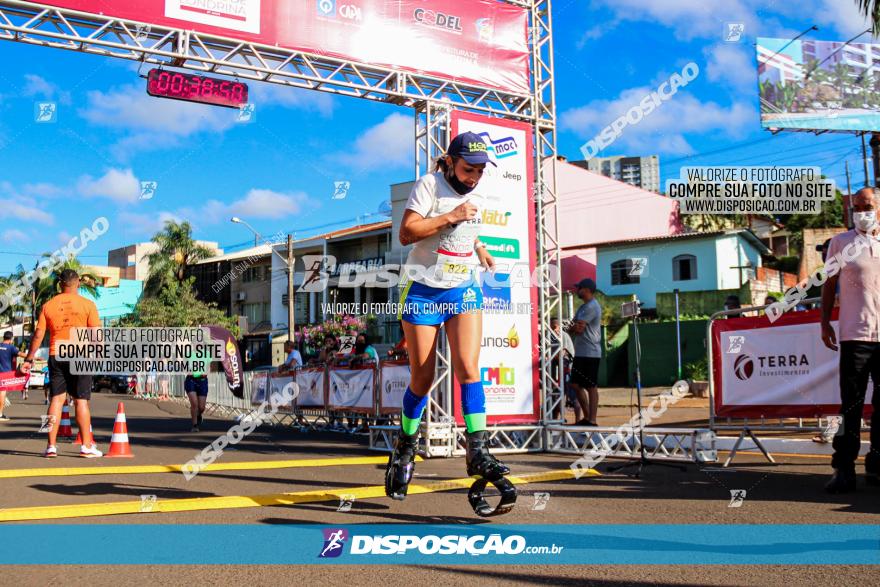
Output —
(480, 42)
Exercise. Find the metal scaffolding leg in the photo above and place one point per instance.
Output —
(748, 432)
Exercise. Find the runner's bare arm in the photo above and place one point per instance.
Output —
(36, 341)
(415, 227)
(829, 293)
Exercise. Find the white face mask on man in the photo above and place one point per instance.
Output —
(865, 221)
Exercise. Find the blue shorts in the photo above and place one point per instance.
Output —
(196, 385)
(424, 305)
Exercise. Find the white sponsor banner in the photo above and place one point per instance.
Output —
(351, 388)
(780, 366)
(277, 386)
(395, 379)
(507, 356)
(237, 15)
(311, 388)
(259, 386)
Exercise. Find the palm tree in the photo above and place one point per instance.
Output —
(871, 9)
(177, 251)
(44, 289)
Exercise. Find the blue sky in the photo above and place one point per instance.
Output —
(279, 171)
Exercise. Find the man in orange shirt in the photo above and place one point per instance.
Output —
(65, 311)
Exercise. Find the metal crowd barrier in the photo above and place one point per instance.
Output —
(381, 406)
(746, 427)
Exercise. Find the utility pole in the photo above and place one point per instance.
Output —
(847, 213)
(865, 160)
(875, 154)
(290, 319)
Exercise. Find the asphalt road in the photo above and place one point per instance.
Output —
(790, 493)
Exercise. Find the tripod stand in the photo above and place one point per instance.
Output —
(643, 459)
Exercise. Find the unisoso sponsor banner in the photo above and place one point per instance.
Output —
(775, 370)
(508, 357)
(480, 41)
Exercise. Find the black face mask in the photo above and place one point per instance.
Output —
(360, 347)
(457, 184)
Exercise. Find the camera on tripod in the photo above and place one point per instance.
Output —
(631, 309)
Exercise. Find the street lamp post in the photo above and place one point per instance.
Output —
(288, 261)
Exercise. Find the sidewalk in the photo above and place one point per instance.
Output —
(624, 397)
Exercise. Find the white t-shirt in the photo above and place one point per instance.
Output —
(448, 257)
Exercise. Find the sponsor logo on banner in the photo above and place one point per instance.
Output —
(334, 542)
(496, 217)
(499, 382)
(497, 296)
(438, 20)
(501, 147)
(238, 15)
(505, 248)
(330, 9)
(395, 386)
(485, 29)
(511, 341)
(789, 365)
(743, 367)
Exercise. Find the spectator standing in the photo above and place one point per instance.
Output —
(587, 352)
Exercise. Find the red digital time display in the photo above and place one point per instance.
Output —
(196, 88)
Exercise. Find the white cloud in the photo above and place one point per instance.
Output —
(153, 123)
(257, 203)
(13, 235)
(133, 109)
(689, 19)
(664, 129)
(42, 190)
(119, 185)
(37, 86)
(706, 19)
(137, 224)
(291, 97)
(389, 144)
(19, 206)
(733, 65)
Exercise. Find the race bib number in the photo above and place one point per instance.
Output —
(455, 249)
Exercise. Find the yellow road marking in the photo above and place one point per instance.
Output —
(236, 466)
(56, 512)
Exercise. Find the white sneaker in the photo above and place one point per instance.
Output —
(51, 452)
(90, 452)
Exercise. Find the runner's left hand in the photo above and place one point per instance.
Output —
(486, 260)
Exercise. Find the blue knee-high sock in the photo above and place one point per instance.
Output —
(473, 406)
(411, 415)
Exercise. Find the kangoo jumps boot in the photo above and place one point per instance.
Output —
(479, 461)
(401, 466)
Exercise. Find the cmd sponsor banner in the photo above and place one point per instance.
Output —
(779, 370)
(480, 42)
(508, 357)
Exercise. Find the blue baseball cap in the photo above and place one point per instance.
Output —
(471, 147)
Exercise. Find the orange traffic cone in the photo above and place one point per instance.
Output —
(119, 446)
(65, 431)
(79, 436)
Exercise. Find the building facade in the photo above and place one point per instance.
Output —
(722, 260)
(642, 172)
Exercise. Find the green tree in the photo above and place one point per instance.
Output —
(177, 250)
(45, 288)
(871, 10)
(176, 306)
(831, 215)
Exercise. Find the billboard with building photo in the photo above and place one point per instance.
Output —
(819, 85)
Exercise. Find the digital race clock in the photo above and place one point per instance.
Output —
(196, 88)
